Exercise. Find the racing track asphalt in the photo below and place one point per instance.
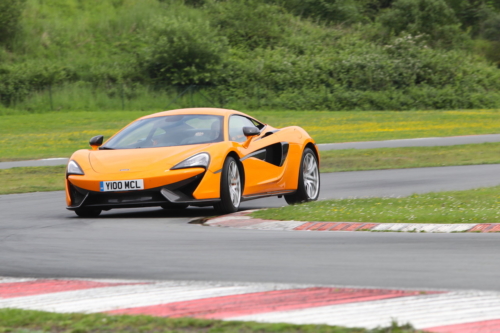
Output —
(418, 142)
(39, 238)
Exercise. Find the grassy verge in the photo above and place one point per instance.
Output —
(349, 126)
(56, 134)
(28, 136)
(471, 206)
(32, 179)
(409, 157)
(22, 321)
(37, 179)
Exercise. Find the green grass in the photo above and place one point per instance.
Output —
(17, 321)
(29, 136)
(37, 179)
(56, 134)
(471, 206)
(409, 157)
(32, 179)
(350, 126)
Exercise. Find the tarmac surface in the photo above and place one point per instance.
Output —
(39, 238)
(418, 142)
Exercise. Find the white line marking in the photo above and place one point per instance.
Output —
(122, 297)
(275, 225)
(227, 218)
(421, 311)
(423, 227)
(4, 279)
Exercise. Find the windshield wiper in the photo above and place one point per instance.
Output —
(106, 148)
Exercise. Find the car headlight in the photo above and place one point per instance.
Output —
(74, 168)
(198, 160)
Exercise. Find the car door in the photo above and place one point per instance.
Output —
(262, 160)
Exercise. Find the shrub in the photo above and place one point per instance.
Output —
(352, 74)
(331, 11)
(249, 54)
(19, 80)
(432, 18)
(250, 23)
(472, 13)
(10, 14)
(491, 28)
(182, 50)
(371, 8)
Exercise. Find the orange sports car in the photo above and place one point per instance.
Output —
(199, 157)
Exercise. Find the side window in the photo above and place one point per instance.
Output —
(236, 124)
(257, 124)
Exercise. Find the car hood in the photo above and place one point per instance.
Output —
(141, 159)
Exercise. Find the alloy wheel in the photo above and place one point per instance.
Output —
(234, 184)
(310, 175)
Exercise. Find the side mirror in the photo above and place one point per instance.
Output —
(249, 132)
(96, 141)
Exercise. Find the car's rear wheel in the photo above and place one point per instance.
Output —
(230, 191)
(88, 212)
(309, 180)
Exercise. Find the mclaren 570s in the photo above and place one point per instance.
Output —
(198, 157)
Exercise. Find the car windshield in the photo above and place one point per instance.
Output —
(168, 131)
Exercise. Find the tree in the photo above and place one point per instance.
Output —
(10, 15)
(182, 51)
(333, 11)
(473, 13)
(432, 18)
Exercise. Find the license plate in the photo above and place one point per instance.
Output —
(122, 185)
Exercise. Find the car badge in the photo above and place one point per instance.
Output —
(125, 170)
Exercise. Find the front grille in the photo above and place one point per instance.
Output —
(77, 196)
(116, 198)
(181, 191)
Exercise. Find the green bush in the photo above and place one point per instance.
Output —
(371, 8)
(182, 50)
(432, 18)
(491, 28)
(250, 23)
(20, 80)
(488, 49)
(10, 14)
(472, 13)
(404, 74)
(331, 11)
(252, 54)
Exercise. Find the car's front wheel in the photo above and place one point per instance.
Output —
(88, 212)
(230, 191)
(309, 181)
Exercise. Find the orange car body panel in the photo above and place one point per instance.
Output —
(153, 165)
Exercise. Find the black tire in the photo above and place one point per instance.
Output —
(305, 192)
(230, 187)
(174, 206)
(88, 212)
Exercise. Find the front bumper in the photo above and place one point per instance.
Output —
(180, 192)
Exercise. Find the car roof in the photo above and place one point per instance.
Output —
(212, 111)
